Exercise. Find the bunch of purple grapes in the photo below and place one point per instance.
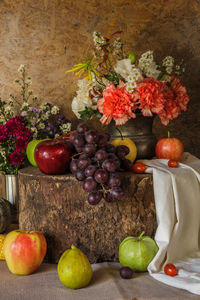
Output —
(97, 163)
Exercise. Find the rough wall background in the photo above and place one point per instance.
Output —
(51, 35)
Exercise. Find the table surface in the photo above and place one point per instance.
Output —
(106, 284)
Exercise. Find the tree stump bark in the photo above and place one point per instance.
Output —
(57, 206)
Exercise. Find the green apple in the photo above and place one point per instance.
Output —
(30, 151)
(137, 252)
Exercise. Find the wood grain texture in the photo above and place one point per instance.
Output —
(58, 207)
(52, 35)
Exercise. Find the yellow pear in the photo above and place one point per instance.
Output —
(130, 144)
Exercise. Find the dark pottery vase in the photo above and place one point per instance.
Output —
(139, 130)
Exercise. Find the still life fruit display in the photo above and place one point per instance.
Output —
(137, 252)
(169, 148)
(2, 238)
(74, 269)
(52, 156)
(24, 251)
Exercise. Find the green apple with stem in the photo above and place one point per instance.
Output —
(137, 252)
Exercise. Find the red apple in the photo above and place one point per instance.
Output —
(24, 251)
(169, 148)
(52, 156)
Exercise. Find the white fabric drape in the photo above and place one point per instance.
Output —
(177, 200)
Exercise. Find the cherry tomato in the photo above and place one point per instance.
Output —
(170, 270)
(138, 168)
(173, 163)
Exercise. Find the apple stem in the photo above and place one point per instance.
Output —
(168, 133)
(141, 235)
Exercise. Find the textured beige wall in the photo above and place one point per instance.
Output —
(51, 35)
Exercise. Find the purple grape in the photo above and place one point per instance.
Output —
(101, 176)
(110, 165)
(83, 156)
(82, 128)
(126, 164)
(126, 273)
(91, 137)
(117, 193)
(73, 166)
(79, 149)
(79, 141)
(110, 148)
(83, 163)
(90, 170)
(114, 180)
(122, 151)
(89, 149)
(89, 184)
(100, 155)
(103, 139)
(80, 175)
(94, 197)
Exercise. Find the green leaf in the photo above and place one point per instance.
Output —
(86, 113)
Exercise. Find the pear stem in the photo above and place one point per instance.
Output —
(141, 235)
(168, 133)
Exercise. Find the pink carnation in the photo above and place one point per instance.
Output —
(117, 104)
(150, 96)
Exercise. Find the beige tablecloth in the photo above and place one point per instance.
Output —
(106, 284)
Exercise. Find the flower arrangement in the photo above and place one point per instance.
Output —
(116, 86)
(21, 120)
(14, 138)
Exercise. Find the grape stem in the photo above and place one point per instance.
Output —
(104, 190)
(168, 134)
(77, 154)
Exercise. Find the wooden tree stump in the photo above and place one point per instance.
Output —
(58, 207)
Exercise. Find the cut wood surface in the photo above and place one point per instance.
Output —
(57, 206)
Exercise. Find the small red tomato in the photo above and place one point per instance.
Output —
(170, 270)
(173, 163)
(138, 168)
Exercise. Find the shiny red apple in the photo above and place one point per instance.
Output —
(52, 157)
(169, 148)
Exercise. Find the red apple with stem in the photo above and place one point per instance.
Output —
(52, 157)
(169, 148)
(24, 251)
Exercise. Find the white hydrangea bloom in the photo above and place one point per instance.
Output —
(82, 98)
(55, 110)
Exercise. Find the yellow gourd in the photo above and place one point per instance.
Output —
(2, 238)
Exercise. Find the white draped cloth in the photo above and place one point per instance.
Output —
(177, 201)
